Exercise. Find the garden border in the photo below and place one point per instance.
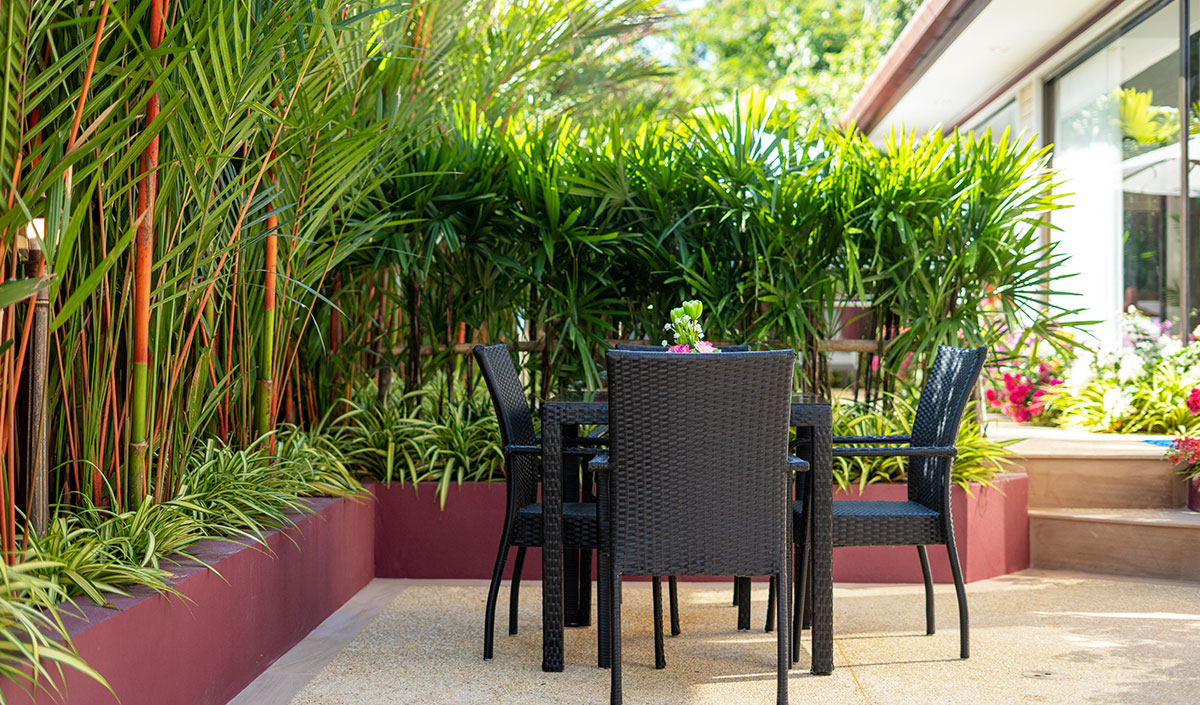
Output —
(991, 526)
(227, 624)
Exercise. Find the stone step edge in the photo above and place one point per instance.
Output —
(1179, 518)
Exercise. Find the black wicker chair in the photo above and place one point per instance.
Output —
(925, 519)
(523, 512)
(673, 586)
(697, 478)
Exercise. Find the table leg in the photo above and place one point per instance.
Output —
(552, 553)
(821, 473)
(571, 556)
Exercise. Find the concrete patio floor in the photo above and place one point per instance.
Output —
(1037, 637)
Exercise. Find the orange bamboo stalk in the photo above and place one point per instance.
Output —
(144, 255)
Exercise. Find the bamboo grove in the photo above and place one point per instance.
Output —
(249, 208)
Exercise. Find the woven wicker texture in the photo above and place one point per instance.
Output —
(523, 521)
(925, 519)
(514, 417)
(580, 527)
(699, 462)
(944, 397)
(698, 477)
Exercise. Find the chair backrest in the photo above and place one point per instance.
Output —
(638, 347)
(944, 397)
(698, 462)
(513, 415)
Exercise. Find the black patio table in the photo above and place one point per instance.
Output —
(562, 415)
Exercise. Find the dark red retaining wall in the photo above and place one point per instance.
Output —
(991, 529)
(205, 647)
(416, 539)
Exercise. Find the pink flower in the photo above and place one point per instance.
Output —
(1193, 402)
(682, 347)
(1184, 450)
(706, 347)
(992, 397)
(1018, 393)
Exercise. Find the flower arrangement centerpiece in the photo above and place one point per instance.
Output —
(1185, 451)
(687, 332)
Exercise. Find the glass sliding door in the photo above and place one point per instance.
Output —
(1116, 134)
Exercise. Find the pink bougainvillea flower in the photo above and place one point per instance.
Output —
(992, 397)
(682, 347)
(1193, 402)
(706, 347)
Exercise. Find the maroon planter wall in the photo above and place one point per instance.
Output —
(205, 647)
(416, 539)
(991, 528)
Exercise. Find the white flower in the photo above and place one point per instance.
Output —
(666, 326)
(1116, 403)
(1080, 374)
(1171, 347)
(665, 344)
(705, 347)
(1132, 367)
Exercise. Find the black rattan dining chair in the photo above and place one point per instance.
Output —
(523, 512)
(925, 518)
(673, 586)
(697, 478)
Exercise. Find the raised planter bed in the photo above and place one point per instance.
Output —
(991, 527)
(203, 646)
(416, 539)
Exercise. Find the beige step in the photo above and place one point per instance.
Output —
(1163, 543)
(1074, 468)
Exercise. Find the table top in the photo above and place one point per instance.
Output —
(600, 396)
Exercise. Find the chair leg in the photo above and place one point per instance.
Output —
(673, 589)
(928, 576)
(585, 588)
(489, 617)
(604, 602)
(744, 604)
(614, 693)
(737, 592)
(782, 639)
(515, 599)
(770, 626)
(797, 605)
(964, 625)
(660, 658)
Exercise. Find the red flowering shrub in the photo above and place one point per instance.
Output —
(1185, 450)
(1023, 396)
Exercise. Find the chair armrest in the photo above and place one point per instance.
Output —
(568, 450)
(872, 439)
(917, 451)
(795, 464)
(513, 449)
(599, 463)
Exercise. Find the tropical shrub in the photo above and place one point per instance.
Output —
(1142, 387)
(421, 436)
(1020, 384)
(979, 458)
